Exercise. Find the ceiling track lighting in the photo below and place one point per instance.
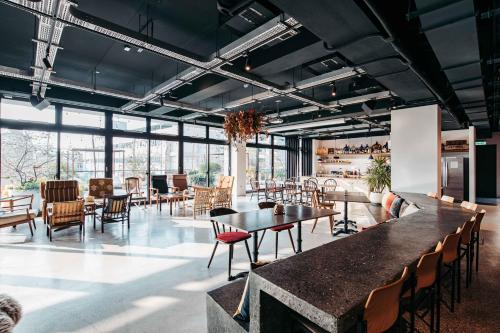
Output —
(126, 48)
(334, 89)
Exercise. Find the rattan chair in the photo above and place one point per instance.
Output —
(116, 208)
(273, 189)
(277, 230)
(291, 192)
(202, 201)
(330, 185)
(64, 215)
(230, 238)
(381, 310)
(323, 205)
(133, 188)
(221, 197)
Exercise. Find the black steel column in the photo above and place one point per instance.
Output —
(181, 148)
(108, 144)
(58, 109)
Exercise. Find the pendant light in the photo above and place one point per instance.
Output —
(334, 89)
(248, 65)
(276, 120)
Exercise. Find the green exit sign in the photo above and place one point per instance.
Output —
(480, 143)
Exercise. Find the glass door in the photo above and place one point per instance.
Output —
(196, 163)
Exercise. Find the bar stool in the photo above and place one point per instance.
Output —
(450, 265)
(277, 229)
(426, 290)
(448, 199)
(465, 251)
(381, 310)
(432, 195)
(475, 236)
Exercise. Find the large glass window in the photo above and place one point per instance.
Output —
(219, 162)
(264, 139)
(279, 140)
(280, 164)
(251, 170)
(82, 158)
(130, 159)
(195, 131)
(252, 139)
(129, 123)
(23, 111)
(195, 163)
(265, 164)
(164, 157)
(216, 133)
(85, 118)
(28, 157)
(164, 127)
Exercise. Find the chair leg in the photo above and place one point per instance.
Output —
(213, 253)
(34, 224)
(459, 278)
(261, 238)
(467, 261)
(314, 225)
(248, 251)
(31, 228)
(102, 226)
(477, 253)
(50, 235)
(291, 240)
(330, 218)
(230, 260)
(453, 271)
(276, 246)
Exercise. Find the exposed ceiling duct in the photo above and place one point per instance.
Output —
(317, 123)
(451, 30)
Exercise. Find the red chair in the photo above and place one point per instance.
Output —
(227, 237)
(278, 229)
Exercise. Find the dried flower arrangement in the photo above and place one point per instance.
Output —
(242, 125)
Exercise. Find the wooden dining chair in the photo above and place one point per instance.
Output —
(465, 250)
(308, 188)
(273, 189)
(432, 195)
(64, 215)
(450, 265)
(330, 185)
(316, 203)
(227, 237)
(475, 236)
(448, 199)
(291, 192)
(381, 310)
(256, 189)
(277, 229)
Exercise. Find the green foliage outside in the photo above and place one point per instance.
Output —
(199, 177)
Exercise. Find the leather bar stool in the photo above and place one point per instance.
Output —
(450, 266)
(381, 310)
(465, 251)
(475, 237)
(425, 291)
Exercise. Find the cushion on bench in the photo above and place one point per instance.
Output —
(17, 216)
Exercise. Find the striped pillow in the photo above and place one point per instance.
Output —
(396, 206)
(387, 200)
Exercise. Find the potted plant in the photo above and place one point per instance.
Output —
(378, 177)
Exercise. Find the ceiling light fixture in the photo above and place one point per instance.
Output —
(248, 65)
(276, 120)
(334, 89)
(140, 49)
(126, 48)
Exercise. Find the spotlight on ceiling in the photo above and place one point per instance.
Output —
(126, 48)
(334, 89)
(248, 65)
(47, 64)
(140, 49)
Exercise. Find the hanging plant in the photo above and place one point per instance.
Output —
(242, 125)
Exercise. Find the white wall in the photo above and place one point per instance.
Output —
(416, 149)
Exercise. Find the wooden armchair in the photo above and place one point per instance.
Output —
(133, 188)
(57, 191)
(159, 187)
(116, 208)
(64, 215)
(316, 203)
(18, 210)
(179, 183)
(202, 201)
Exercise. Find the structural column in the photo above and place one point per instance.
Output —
(472, 164)
(238, 168)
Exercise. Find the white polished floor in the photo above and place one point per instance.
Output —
(151, 279)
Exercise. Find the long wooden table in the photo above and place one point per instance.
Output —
(328, 285)
(262, 219)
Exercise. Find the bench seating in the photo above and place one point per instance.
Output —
(379, 213)
(221, 305)
(11, 219)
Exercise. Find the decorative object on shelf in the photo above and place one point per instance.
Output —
(279, 209)
(322, 151)
(378, 177)
(243, 125)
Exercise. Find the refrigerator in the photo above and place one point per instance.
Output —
(455, 176)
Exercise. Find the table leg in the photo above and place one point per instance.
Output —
(171, 203)
(255, 246)
(345, 228)
(299, 237)
(345, 216)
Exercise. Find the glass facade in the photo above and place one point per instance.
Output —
(73, 145)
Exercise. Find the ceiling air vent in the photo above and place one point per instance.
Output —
(251, 15)
(287, 35)
(330, 63)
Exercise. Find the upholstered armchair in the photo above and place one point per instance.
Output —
(179, 183)
(158, 189)
(100, 187)
(57, 191)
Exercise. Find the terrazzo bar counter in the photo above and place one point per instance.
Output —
(326, 287)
